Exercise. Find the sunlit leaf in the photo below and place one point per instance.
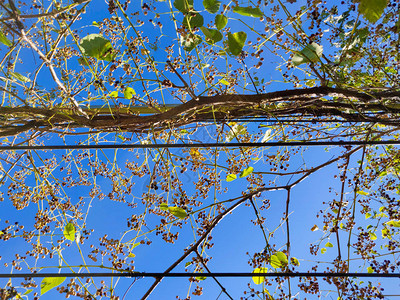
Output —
(69, 232)
(95, 45)
(129, 93)
(246, 172)
(294, 261)
(19, 77)
(363, 193)
(236, 42)
(49, 283)
(259, 279)
(372, 10)
(164, 206)
(231, 177)
(27, 292)
(220, 21)
(394, 223)
(310, 53)
(368, 215)
(279, 260)
(248, 11)
(212, 6)
(113, 94)
(131, 255)
(224, 82)
(370, 270)
(329, 245)
(372, 235)
(323, 250)
(136, 244)
(212, 36)
(177, 212)
(4, 40)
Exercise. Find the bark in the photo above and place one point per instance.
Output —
(318, 103)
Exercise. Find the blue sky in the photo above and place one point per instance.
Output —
(234, 236)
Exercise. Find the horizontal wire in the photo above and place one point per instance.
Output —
(213, 274)
(201, 145)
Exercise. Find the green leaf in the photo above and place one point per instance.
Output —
(69, 232)
(310, 53)
(113, 94)
(370, 270)
(183, 5)
(236, 42)
(212, 35)
(164, 206)
(294, 261)
(372, 10)
(129, 93)
(95, 45)
(329, 245)
(259, 279)
(212, 6)
(231, 177)
(19, 77)
(4, 40)
(246, 172)
(193, 19)
(220, 21)
(248, 11)
(190, 41)
(177, 212)
(279, 260)
(49, 283)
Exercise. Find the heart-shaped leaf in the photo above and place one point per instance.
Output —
(236, 42)
(231, 177)
(177, 212)
(129, 93)
(246, 172)
(212, 36)
(212, 6)
(259, 279)
(193, 20)
(183, 5)
(49, 283)
(220, 21)
(95, 45)
(69, 232)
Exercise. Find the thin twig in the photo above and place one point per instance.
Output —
(188, 88)
(223, 289)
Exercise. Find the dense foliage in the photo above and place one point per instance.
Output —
(89, 72)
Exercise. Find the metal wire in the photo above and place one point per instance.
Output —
(201, 145)
(215, 274)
